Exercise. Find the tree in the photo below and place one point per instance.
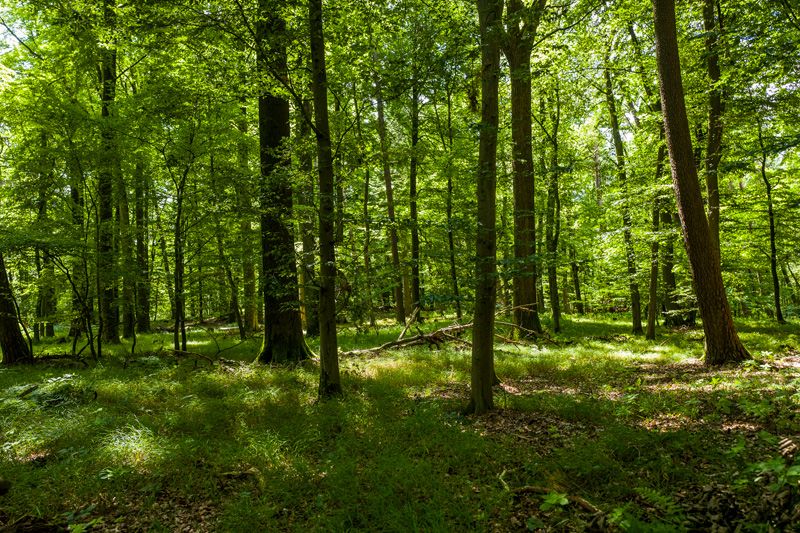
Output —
(283, 329)
(722, 344)
(12, 344)
(329, 380)
(521, 25)
(482, 373)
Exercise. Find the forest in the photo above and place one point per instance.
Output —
(408, 265)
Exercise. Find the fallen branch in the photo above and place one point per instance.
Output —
(433, 339)
(408, 324)
(532, 489)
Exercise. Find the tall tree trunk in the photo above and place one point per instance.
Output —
(329, 380)
(652, 306)
(308, 269)
(553, 220)
(412, 180)
(283, 329)
(129, 273)
(178, 234)
(773, 250)
(576, 281)
(142, 195)
(630, 254)
(243, 200)
(13, 345)
(46, 304)
(712, 28)
(722, 344)
(105, 185)
(400, 309)
(451, 248)
(365, 211)
(521, 30)
(482, 373)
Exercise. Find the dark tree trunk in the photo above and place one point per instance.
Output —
(105, 186)
(400, 309)
(482, 373)
(329, 380)
(773, 249)
(178, 233)
(283, 329)
(12, 343)
(712, 29)
(630, 255)
(451, 248)
(553, 220)
(142, 194)
(521, 27)
(722, 342)
(129, 272)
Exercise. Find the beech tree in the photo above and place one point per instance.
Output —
(722, 344)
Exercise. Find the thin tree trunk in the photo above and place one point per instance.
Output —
(451, 248)
(773, 249)
(416, 302)
(243, 200)
(142, 194)
(126, 250)
(365, 212)
(283, 329)
(630, 255)
(400, 310)
(179, 328)
(576, 281)
(652, 307)
(482, 373)
(715, 110)
(329, 380)
(308, 269)
(722, 344)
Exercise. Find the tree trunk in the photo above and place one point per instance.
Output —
(179, 328)
(576, 281)
(308, 269)
(553, 220)
(400, 309)
(142, 195)
(652, 307)
(13, 345)
(105, 186)
(630, 254)
(518, 51)
(482, 373)
(329, 380)
(365, 212)
(243, 200)
(126, 251)
(715, 110)
(773, 250)
(416, 301)
(451, 248)
(722, 344)
(283, 329)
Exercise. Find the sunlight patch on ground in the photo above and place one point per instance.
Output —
(132, 446)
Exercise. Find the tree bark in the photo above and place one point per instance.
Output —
(576, 281)
(630, 254)
(521, 26)
(715, 110)
(308, 269)
(13, 345)
(412, 180)
(283, 329)
(652, 306)
(722, 344)
(482, 373)
(365, 212)
(329, 380)
(773, 249)
(400, 309)
(141, 198)
(243, 199)
(105, 186)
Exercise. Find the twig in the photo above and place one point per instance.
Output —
(408, 324)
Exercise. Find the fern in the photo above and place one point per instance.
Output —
(670, 510)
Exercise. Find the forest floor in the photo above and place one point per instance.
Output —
(598, 431)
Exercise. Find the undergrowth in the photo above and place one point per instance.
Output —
(595, 430)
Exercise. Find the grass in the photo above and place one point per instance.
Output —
(637, 429)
